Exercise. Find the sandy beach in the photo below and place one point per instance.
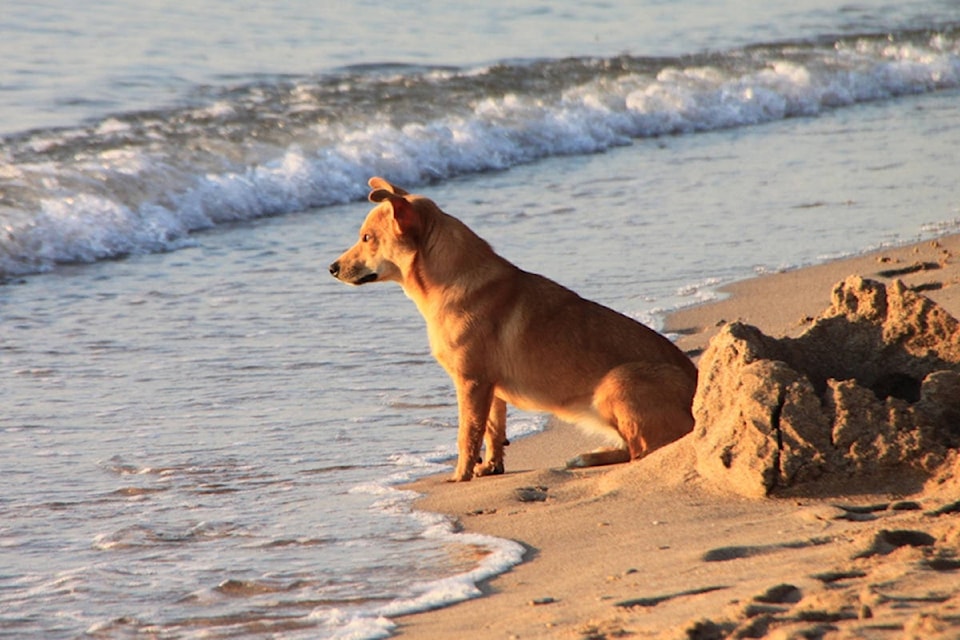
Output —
(654, 549)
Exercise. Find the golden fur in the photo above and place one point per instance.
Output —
(506, 335)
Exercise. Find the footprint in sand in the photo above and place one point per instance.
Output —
(723, 554)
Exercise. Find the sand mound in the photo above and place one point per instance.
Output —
(872, 387)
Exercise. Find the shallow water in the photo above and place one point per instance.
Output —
(204, 441)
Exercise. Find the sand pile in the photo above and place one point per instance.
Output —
(872, 387)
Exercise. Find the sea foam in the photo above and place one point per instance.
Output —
(499, 555)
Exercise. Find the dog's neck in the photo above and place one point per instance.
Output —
(450, 262)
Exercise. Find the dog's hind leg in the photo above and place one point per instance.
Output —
(593, 422)
(494, 440)
(648, 404)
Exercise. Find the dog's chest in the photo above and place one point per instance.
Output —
(467, 342)
(456, 341)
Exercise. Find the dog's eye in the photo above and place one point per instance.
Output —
(366, 237)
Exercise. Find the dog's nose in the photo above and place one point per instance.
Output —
(335, 269)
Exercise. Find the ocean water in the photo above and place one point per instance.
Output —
(203, 434)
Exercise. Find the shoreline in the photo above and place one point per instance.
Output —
(784, 303)
(649, 549)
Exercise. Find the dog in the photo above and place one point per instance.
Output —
(505, 335)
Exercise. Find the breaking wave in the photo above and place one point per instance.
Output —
(142, 182)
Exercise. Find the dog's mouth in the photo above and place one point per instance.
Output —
(370, 277)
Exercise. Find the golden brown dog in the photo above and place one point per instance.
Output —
(506, 335)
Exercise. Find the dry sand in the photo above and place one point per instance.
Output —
(649, 549)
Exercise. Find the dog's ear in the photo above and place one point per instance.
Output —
(381, 189)
(405, 217)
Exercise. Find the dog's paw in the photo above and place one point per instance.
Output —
(599, 458)
(489, 468)
(461, 476)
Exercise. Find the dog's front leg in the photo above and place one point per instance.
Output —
(494, 440)
(474, 399)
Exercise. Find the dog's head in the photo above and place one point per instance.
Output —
(388, 238)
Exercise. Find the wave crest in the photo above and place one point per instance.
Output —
(142, 182)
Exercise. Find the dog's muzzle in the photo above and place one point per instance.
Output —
(335, 272)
